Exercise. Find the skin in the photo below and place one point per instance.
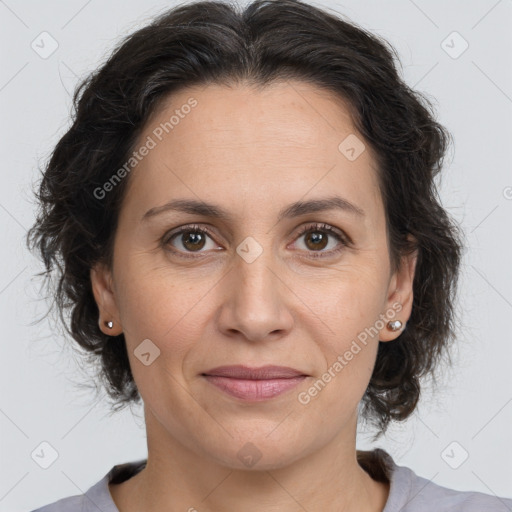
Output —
(253, 152)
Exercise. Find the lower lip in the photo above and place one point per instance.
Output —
(254, 390)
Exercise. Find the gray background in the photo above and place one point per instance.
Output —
(473, 96)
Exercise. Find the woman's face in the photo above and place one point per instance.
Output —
(255, 289)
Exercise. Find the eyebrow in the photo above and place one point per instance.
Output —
(296, 209)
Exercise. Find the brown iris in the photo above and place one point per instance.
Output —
(318, 239)
(193, 240)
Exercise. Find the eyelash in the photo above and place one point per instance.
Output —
(344, 240)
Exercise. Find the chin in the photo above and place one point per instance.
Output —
(258, 452)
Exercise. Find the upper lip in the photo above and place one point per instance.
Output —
(261, 373)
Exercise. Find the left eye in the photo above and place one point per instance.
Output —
(317, 238)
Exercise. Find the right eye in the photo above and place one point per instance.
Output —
(187, 239)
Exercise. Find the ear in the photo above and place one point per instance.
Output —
(400, 296)
(102, 288)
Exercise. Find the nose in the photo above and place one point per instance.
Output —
(256, 302)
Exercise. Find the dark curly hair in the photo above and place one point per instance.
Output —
(213, 42)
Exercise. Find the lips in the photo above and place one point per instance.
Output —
(247, 373)
(254, 384)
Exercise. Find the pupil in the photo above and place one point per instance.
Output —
(194, 239)
(318, 238)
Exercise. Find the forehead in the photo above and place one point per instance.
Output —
(281, 141)
(278, 115)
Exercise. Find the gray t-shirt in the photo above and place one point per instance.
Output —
(408, 491)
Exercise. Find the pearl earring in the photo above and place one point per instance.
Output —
(110, 324)
(395, 325)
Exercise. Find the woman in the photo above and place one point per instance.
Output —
(245, 225)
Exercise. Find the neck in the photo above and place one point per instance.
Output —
(177, 478)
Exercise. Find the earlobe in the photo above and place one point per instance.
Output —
(101, 282)
(400, 292)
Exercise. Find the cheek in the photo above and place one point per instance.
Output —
(351, 300)
(349, 308)
(349, 354)
(161, 305)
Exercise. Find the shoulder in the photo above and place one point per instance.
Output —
(98, 496)
(424, 494)
(70, 504)
(412, 493)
